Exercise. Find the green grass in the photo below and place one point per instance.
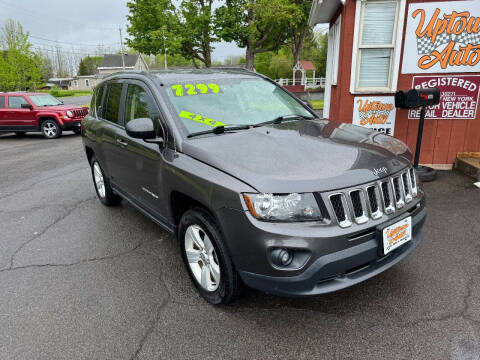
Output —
(317, 104)
(67, 93)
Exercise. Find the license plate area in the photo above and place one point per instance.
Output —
(394, 235)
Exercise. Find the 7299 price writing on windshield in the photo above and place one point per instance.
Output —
(197, 89)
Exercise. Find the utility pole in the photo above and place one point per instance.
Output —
(123, 50)
(164, 48)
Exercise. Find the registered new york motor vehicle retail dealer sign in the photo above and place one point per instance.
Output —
(458, 96)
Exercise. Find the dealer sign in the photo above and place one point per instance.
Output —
(442, 37)
(458, 96)
(375, 112)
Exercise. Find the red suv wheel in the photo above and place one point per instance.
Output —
(50, 129)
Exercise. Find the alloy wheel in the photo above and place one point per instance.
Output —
(202, 258)
(50, 129)
(99, 181)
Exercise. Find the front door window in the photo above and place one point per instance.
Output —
(16, 102)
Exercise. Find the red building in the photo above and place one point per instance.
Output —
(377, 47)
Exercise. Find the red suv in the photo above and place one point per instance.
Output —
(33, 112)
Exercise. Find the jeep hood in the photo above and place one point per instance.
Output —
(60, 108)
(302, 156)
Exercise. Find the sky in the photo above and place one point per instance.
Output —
(80, 26)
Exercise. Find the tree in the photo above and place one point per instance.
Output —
(279, 64)
(48, 70)
(153, 25)
(196, 31)
(298, 28)
(258, 25)
(315, 49)
(275, 64)
(186, 30)
(20, 68)
(158, 61)
(88, 65)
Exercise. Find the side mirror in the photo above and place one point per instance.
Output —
(27, 106)
(142, 128)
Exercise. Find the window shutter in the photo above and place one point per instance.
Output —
(378, 23)
(374, 67)
(333, 50)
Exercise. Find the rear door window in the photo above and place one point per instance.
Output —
(112, 103)
(15, 102)
(96, 103)
(2, 102)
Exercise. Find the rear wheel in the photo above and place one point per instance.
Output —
(102, 185)
(50, 129)
(207, 258)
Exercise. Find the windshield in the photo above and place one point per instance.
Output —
(44, 100)
(203, 105)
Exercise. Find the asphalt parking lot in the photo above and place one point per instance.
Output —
(81, 281)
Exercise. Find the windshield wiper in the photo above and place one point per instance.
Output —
(221, 129)
(282, 118)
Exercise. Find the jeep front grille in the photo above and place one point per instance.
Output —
(340, 207)
(371, 201)
(80, 113)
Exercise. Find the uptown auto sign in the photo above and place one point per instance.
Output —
(375, 112)
(442, 37)
(458, 96)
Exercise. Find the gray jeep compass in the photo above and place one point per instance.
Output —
(257, 189)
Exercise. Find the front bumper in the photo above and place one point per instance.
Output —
(336, 262)
(71, 125)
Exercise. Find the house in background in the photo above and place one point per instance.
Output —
(110, 64)
(87, 82)
(62, 83)
(113, 63)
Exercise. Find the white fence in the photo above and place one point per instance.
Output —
(310, 83)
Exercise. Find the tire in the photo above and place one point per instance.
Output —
(20, 133)
(50, 129)
(77, 131)
(102, 186)
(426, 174)
(212, 258)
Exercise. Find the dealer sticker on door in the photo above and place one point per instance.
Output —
(397, 234)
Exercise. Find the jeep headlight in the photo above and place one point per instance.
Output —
(290, 207)
(69, 114)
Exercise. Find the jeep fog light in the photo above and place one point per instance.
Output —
(282, 257)
(290, 207)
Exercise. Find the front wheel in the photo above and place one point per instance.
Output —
(50, 129)
(207, 258)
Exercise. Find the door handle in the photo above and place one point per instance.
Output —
(122, 143)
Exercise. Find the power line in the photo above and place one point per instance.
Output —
(63, 51)
(69, 43)
(53, 46)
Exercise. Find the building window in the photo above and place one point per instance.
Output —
(75, 83)
(376, 41)
(87, 82)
